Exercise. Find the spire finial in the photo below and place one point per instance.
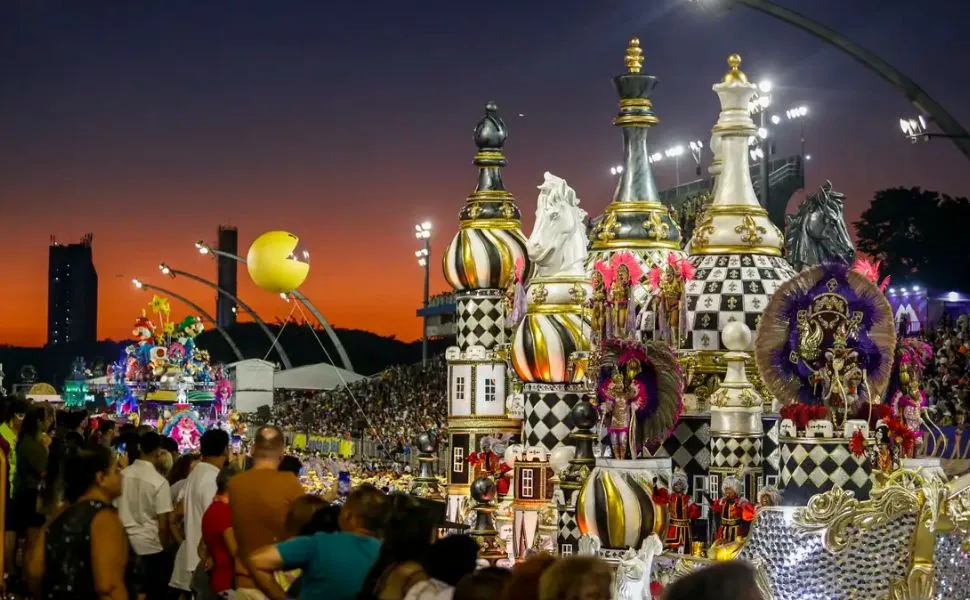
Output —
(634, 56)
(735, 75)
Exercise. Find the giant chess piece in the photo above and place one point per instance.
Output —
(483, 493)
(736, 411)
(481, 262)
(817, 233)
(573, 476)
(425, 484)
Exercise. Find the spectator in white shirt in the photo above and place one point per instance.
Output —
(145, 508)
(197, 495)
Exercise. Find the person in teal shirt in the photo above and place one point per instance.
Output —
(333, 565)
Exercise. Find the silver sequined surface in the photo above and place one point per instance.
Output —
(800, 568)
(952, 568)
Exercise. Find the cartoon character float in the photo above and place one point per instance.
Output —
(167, 379)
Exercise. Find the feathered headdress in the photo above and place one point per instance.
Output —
(519, 269)
(604, 269)
(662, 382)
(777, 345)
(631, 263)
(682, 266)
(870, 270)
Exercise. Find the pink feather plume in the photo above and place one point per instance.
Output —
(606, 272)
(519, 268)
(627, 258)
(867, 268)
(653, 278)
(884, 284)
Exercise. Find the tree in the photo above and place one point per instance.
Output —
(918, 235)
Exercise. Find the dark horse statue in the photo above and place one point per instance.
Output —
(817, 232)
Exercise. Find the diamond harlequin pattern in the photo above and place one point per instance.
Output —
(808, 469)
(736, 452)
(547, 419)
(769, 449)
(481, 322)
(568, 529)
(689, 446)
(730, 288)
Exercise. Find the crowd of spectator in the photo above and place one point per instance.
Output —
(394, 406)
(947, 376)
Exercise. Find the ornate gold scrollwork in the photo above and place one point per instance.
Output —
(833, 512)
(918, 585)
(607, 228)
(750, 231)
(656, 227)
(703, 231)
(578, 293)
(539, 293)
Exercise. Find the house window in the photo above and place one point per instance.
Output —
(527, 483)
(489, 390)
(458, 460)
(566, 550)
(459, 388)
(713, 486)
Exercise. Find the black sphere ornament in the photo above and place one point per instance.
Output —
(584, 415)
(483, 490)
(424, 443)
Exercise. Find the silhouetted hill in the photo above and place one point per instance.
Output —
(370, 353)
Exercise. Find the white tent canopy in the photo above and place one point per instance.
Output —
(321, 376)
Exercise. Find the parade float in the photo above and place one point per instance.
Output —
(165, 380)
(693, 407)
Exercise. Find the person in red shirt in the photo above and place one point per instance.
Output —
(218, 546)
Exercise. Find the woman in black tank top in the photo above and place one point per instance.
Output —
(64, 566)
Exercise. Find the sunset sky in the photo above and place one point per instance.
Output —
(151, 123)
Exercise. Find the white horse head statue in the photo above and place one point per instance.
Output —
(634, 573)
(558, 242)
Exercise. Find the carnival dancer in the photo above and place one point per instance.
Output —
(621, 402)
(733, 511)
(626, 272)
(681, 510)
(601, 280)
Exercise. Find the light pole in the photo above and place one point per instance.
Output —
(170, 272)
(138, 283)
(675, 152)
(423, 232)
(759, 105)
(696, 151)
(617, 170)
(207, 250)
(952, 129)
(916, 129)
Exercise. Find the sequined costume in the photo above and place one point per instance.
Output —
(681, 510)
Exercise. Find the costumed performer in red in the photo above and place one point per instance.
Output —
(681, 510)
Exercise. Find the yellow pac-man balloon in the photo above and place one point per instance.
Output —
(275, 264)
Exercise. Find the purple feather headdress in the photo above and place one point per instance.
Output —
(874, 338)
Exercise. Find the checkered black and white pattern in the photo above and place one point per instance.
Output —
(481, 321)
(689, 444)
(730, 287)
(769, 446)
(809, 468)
(548, 421)
(735, 452)
(568, 532)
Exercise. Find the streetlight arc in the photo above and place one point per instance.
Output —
(207, 249)
(225, 334)
(259, 321)
(913, 92)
